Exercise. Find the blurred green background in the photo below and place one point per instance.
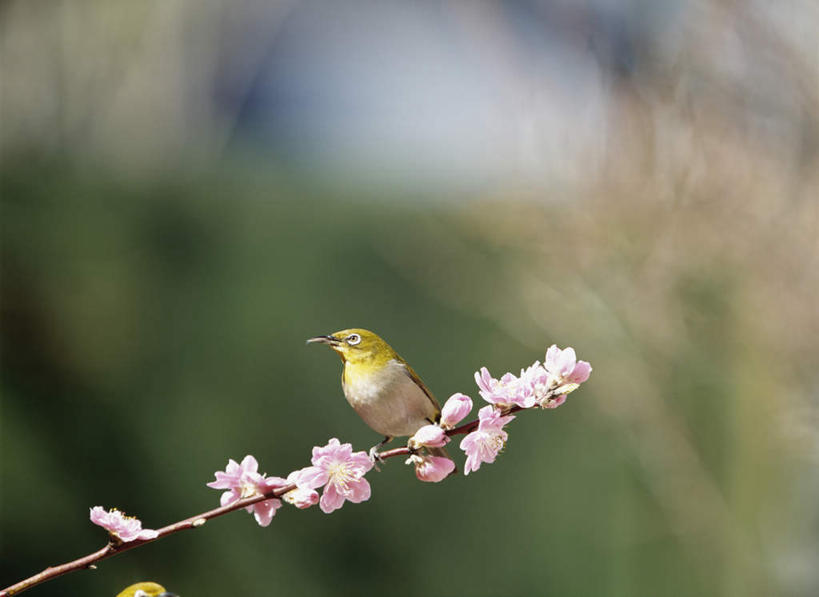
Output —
(189, 192)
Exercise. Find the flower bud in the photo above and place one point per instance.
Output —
(456, 408)
(431, 469)
(429, 436)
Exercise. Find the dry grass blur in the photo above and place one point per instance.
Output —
(695, 239)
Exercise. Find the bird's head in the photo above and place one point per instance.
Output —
(357, 346)
(146, 589)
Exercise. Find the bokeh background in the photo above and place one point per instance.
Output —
(191, 189)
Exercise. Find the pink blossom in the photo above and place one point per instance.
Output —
(456, 408)
(564, 366)
(342, 471)
(507, 391)
(244, 481)
(483, 444)
(124, 528)
(537, 381)
(429, 436)
(304, 495)
(240, 480)
(431, 468)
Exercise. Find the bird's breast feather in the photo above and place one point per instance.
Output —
(367, 384)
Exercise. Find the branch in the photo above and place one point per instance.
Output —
(544, 385)
(115, 548)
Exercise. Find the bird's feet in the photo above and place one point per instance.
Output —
(375, 457)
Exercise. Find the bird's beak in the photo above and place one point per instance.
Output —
(323, 340)
(166, 594)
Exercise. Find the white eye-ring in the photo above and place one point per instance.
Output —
(140, 593)
(353, 339)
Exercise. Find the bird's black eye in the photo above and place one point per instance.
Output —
(352, 339)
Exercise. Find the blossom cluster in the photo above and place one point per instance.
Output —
(544, 385)
(340, 471)
(431, 463)
(335, 467)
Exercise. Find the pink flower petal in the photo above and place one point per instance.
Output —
(264, 511)
(332, 447)
(331, 499)
(361, 462)
(359, 491)
(580, 373)
(98, 515)
(551, 359)
(249, 464)
(567, 361)
(312, 477)
(483, 379)
(221, 482)
(236, 476)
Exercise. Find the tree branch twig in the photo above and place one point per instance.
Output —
(114, 548)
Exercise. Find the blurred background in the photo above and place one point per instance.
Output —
(190, 190)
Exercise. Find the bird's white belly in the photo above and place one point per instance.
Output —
(389, 401)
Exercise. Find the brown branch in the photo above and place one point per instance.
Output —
(114, 547)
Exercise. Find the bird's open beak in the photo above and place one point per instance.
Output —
(323, 340)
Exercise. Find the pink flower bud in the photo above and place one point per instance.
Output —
(429, 436)
(304, 495)
(302, 498)
(456, 408)
(431, 469)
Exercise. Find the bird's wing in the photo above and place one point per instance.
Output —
(414, 377)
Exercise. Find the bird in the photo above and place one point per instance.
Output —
(381, 386)
(145, 589)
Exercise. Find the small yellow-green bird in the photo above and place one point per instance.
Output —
(381, 387)
(145, 589)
